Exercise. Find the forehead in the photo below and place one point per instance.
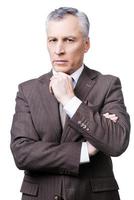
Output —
(68, 25)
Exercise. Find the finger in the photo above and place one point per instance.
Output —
(106, 115)
(62, 75)
(112, 117)
(66, 79)
(53, 77)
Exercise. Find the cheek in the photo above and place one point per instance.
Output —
(77, 54)
(79, 49)
(50, 50)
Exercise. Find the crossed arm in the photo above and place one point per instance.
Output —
(31, 153)
(61, 86)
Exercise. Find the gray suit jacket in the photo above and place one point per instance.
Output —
(50, 156)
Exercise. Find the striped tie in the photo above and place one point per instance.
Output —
(62, 111)
(62, 115)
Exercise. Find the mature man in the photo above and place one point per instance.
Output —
(69, 122)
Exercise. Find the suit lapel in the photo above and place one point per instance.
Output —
(82, 89)
(51, 104)
(85, 83)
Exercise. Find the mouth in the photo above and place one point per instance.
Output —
(60, 62)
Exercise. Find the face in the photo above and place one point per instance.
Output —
(66, 44)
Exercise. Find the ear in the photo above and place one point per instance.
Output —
(87, 44)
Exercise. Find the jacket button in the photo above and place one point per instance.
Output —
(56, 197)
(84, 127)
(79, 122)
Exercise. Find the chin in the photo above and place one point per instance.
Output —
(62, 69)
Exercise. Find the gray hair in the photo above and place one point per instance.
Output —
(61, 12)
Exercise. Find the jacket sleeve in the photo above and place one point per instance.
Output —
(107, 136)
(31, 153)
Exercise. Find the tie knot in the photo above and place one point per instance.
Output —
(73, 82)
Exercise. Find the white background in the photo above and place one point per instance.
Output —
(23, 55)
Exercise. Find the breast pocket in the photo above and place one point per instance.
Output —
(29, 190)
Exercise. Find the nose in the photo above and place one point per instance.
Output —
(59, 48)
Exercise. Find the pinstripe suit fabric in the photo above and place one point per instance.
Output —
(50, 155)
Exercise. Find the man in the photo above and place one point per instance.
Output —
(69, 122)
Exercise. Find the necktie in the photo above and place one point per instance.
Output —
(62, 111)
(62, 115)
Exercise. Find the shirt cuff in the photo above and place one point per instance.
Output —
(72, 106)
(84, 157)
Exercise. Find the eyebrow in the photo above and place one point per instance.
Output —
(68, 36)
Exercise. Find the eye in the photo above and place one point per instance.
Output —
(69, 40)
(52, 40)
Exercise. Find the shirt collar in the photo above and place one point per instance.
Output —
(77, 74)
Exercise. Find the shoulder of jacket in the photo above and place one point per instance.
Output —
(35, 81)
(29, 83)
(99, 75)
(109, 79)
(103, 76)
